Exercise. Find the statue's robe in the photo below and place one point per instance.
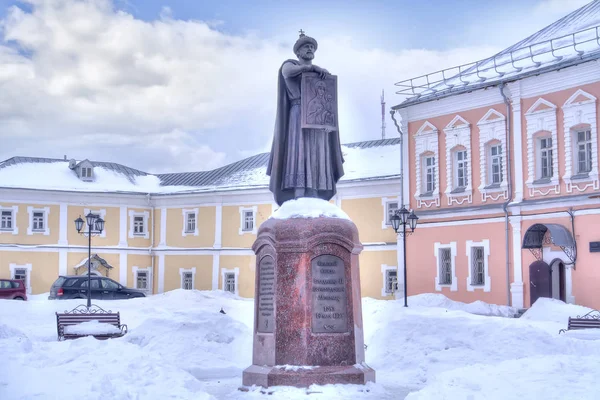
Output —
(301, 158)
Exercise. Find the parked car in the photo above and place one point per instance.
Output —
(12, 289)
(76, 287)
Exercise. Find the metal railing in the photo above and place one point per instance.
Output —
(503, 65)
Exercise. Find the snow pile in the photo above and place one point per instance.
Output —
(307, 207)
(91, 328)
(552, 310)
(477, 307)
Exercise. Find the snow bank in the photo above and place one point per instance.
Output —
(477, 307)
(307, 207)
(545, 309)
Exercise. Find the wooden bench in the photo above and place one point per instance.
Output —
(590, 320)
(80, 315)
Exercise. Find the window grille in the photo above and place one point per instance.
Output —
(391, 281)
(142, 280)
(546, 158)
(496, 161)
(187, 281)
(584, 152)
(462, 179)
(230, 282)
(477, 266)
(429, 174)
(445, 266)
(38, 221)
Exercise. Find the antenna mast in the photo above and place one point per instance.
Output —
(382, 115)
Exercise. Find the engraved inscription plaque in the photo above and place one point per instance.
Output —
(266, 295)
(330, 309)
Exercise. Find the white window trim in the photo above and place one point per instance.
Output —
(426, 140)
(13, 267)
(436, 249)
(254, 210)
(102, 214)
(384, 269)
(485, 243)
(46, 211)
(185, 213)
(235, 271)
(575, 113)
(458, 133)
(15, 211)
(384, 203)
(146, 215)
(182, 271)
(135, 270)
(541, 120)
(492, 129)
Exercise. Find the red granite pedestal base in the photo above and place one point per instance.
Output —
(308, 317)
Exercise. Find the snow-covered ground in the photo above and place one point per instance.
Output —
(180, 347)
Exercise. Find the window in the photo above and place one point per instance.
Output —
(495, 165)
(461, 176)
(190, 223)
(109, 284)
(584, 151)
(478, 254)
(21, 273)
(546, 168)
(187, 282)
(391, 208)
(429, 174)
(138, 225)
(95, 283)
(38, 221)
(86, 172)
(477, 266)
(445, 266)
(248, 221)
(142, 280)
(229, 282)
(6, 221)
(391, 281)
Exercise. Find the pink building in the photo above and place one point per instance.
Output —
(501, 164)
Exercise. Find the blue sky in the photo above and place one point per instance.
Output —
(190, 85)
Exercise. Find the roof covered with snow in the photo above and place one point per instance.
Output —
(571, 40)
(367, 160)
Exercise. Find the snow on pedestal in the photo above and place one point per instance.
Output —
(308, 207)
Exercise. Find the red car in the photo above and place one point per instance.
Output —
(12, 289)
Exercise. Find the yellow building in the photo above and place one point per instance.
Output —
(179, 230)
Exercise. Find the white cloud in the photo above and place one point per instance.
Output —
(86, 79)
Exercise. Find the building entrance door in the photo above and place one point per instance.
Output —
(540, 281)
(558, 280)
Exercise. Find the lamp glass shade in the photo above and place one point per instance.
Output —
(78, 224)
(91, 219)
(395, 220)
(403, 214)
(412, 220)
(99, 224)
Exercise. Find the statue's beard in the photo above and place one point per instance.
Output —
(307, 56)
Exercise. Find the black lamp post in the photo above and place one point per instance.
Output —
(93, 221)
(403, 217)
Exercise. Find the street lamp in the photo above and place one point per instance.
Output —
(403, 217)
(93, 221)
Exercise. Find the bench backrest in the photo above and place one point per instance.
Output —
(73, 319)
(583, 323)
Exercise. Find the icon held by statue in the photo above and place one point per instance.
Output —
(319, 102)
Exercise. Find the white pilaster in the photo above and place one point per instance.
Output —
(123, 268)
(161, 271)
(218, 226)
(515, 95)
(63, 225)
(62, 262)
(400, 257)
(123, 227)
(215, 271)
(163, 227)
(516, 287)
(404, 163)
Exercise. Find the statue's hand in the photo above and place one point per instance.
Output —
(321, 71)
(328, 130)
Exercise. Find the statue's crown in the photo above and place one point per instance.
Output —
(303, 39)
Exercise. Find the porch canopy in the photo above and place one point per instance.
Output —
(540, 234)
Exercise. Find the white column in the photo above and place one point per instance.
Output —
(218, 226)
(400, 257)
(62, 262)
(215, 271)
(63, 225)
(517, 159)
(405, 159)
(161, 273)
(516, 287)
(163, 227)
(123, 227)
(123, 267)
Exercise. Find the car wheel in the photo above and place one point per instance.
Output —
(19, 298)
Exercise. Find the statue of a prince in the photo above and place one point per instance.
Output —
(303, 162)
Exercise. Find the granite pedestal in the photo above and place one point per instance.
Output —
(308, 326)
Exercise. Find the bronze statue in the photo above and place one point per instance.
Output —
(304, 162)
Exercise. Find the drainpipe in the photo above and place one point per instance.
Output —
(510, 191)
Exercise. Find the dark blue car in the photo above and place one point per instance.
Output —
(103, 288)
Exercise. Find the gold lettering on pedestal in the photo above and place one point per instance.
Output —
(266, 295)
(329, 306)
